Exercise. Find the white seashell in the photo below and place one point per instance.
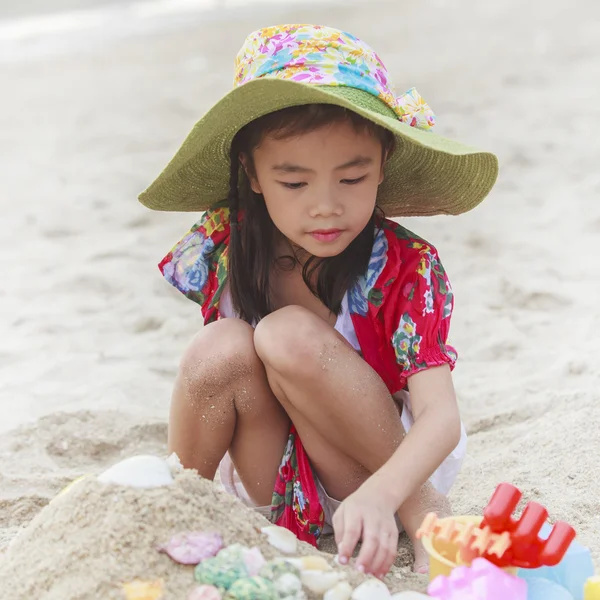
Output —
(340, 591)
(282, 539)
(372, 589)
(142, 471)
(310, 563)
(320, 582)
(174, 463)
(409, 596)
(288, 585)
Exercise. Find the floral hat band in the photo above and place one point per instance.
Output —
(319, 55)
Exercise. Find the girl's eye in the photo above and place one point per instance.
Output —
(293, 186)
(353, 181)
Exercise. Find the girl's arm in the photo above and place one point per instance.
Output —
(369, 513)
(435, 433)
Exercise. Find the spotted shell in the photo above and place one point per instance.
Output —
(252, 588)
(222, 573)
(193, 547)
(277, 567)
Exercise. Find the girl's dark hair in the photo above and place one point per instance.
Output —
(253, 237)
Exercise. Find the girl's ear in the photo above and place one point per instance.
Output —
(250, 174)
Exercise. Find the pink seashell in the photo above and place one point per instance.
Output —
(254, 561)
(205, 592)
(192, 548)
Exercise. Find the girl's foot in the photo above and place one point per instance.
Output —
(429, 500)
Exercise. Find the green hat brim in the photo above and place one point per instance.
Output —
(426, 175)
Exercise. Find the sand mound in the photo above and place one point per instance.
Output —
(89, 541)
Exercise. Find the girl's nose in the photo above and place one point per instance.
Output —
(327, 205)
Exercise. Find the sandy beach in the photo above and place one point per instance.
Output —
(91, 336)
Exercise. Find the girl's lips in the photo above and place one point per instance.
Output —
(326, 235)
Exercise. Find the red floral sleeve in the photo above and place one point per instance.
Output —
(423, 308)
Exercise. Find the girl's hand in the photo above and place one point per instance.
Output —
(367, 515)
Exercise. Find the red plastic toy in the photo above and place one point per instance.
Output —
(527, 550)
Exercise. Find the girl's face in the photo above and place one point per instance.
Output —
(320, 188)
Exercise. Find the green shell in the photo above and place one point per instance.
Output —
(277, 567)
(252, 588)
(220, 573)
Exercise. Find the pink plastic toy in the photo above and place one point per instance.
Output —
(481, 581)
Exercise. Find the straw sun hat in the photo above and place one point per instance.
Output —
(290, 65)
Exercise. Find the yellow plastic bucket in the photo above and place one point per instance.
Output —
(444, 555)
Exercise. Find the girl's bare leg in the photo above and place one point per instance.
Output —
(344, 413)
(222, 401)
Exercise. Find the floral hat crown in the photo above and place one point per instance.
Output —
(320, 55)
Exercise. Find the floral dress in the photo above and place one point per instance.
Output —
(400, 308)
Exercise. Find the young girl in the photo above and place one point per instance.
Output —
(326, 324)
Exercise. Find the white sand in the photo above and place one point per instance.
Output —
(90, 335)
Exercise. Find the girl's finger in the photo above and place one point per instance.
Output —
(370, 546)
(386, 555)
(338, 533)
(353, 527)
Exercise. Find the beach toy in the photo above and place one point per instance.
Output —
(192, 548)
(143, 590)
(571, 572)
(591, 590)
(481, 581)
(280, 538)
(252, 588)
(543, 589)
(142, 471)
(340, 591)
(205, 592)
(527, 549)
(372, 589)
(445, 541)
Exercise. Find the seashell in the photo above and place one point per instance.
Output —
(340, 591)
(142, 471)
(174, 463)
(277, 567)
(205, 592)
(252, 588)
(372, 589)
(232, 552)
(289, 586)
(409, 596)
(282, 539)
(143, 590)
(192, 548)
(310, 563)
(220, 572)
(254, 560)
(320, 582)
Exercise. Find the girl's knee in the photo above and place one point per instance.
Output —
(293, 339)
(219, 353)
